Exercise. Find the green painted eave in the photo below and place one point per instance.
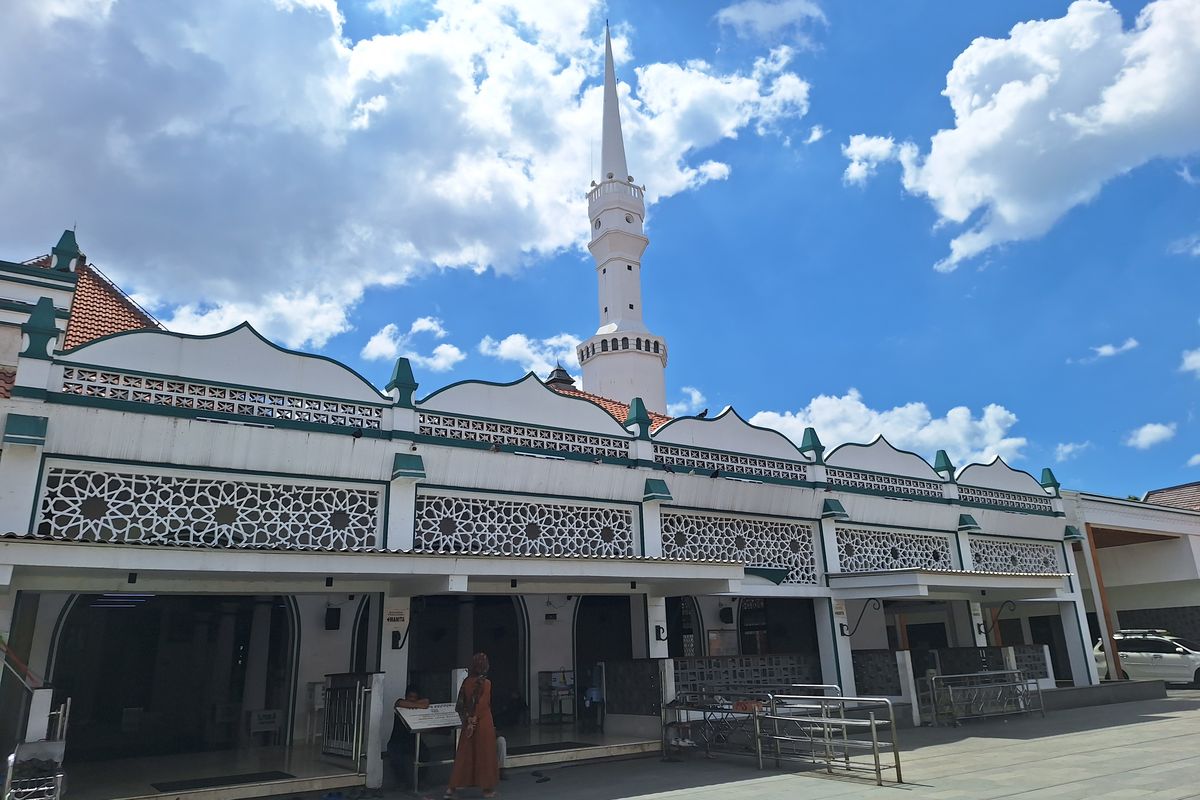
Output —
(833, 507)
(403, 382)
(407, 465)
(24, 429)
(1048, 480)
(967, 523)
(942, 463)
(1072, 534)
(656, 489)
(811, 445)
(775, 575)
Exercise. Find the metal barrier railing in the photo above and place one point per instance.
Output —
(345, 728)
(953, 698)
(835, 731)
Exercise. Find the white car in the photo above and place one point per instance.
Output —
(1153, 655)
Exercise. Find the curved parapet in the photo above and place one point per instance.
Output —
(527, 401)
(240, 356)
(881, 456)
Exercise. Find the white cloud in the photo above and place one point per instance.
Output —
(1187, 246)
(1044, 118)
(816, 134)
(965, 437)
(539, 356)
(866, 153)
(772, 20)
(389, 343)
(248, 160)
(693, 401)
(1107, 351)
(1065, 451)
(1150, 434)
(1194, 461)
(1191, 362)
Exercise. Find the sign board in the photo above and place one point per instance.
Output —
(264, 721)
(395, 618)
(839, 609)
(438, 715)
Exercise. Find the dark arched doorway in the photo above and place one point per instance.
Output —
(170, 674)
(447, 630)
(776, 626)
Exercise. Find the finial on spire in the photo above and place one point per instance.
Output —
(612, 147)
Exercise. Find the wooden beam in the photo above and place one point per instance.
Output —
(1110, 645)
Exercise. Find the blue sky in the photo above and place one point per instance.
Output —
(330, 170)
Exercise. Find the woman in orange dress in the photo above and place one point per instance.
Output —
(475, 763)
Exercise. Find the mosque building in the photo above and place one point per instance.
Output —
(200, 535)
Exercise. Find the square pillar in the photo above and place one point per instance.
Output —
(654, 494)
(656, 627)
(837, 665)
(407, 469)
(393, 656)
(20, 465)
(1079, 645)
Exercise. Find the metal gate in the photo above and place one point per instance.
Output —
(347, 698)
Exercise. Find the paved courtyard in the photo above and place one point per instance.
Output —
(1132, 750)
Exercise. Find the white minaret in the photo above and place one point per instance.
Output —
(622, 360)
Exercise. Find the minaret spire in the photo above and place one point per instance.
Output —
(623, 359)
(612, 149)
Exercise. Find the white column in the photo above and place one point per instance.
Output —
(652, 529)
(656, 627)
(977, 624)
(908, 685)
(7, 601)
(375, 725)
(393, 655)
(402, 509)
(837, 665)
(1078, 642)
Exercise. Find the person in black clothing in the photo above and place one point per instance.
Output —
(400, 746)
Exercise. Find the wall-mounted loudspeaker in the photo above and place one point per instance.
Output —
(333, 618)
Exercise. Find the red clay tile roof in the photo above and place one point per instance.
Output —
(618, 410)
(7, 379)
(1185, 496)
(99, 307)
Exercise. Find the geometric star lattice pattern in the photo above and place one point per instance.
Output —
(137, 508)
(453, 524)
(868, 550)
(748, 541)
(999, 555)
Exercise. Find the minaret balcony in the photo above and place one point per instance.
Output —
(615, 189)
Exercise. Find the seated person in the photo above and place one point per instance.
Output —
(510, 710)
(400, 746)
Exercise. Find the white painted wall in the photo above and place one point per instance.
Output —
(322, 652)
(551, 643)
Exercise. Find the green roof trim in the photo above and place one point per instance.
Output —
(638, 415)
(942, 463)
(407, 465)
(775, 575)
(403, 382)
(1048, 480)
(656, 489)
(811, 445)
(1072, 534)
(41, 331)
(832, 508)
(967, 523)
(66, 251)
(25, 430)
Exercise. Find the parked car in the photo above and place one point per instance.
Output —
(1153, 655)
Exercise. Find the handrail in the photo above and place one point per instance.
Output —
(753, 722)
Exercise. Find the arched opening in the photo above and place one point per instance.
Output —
(639, 344)
(777, 626)
(447, 630)
(684, 628)
(656, 347)
(173, 674)
(603, 632)
(625, 343)
(604, 345)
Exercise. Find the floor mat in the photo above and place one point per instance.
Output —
(549, 747)
(221, 780)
